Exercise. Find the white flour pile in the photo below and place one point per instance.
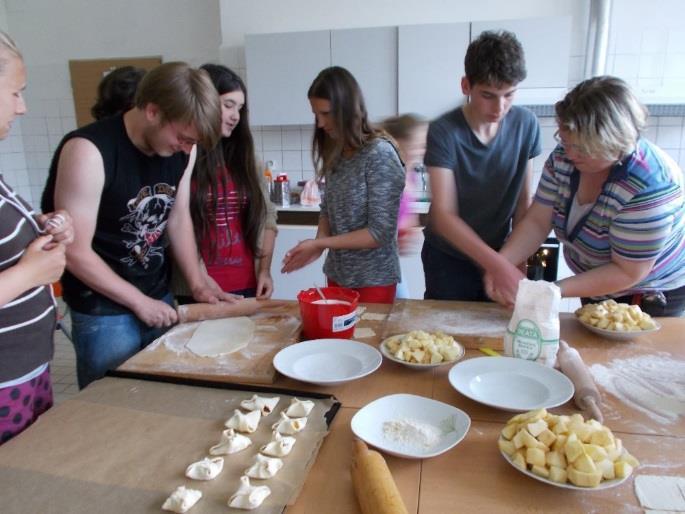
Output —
(653, 384)
(412, 432)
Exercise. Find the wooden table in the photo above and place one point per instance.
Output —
(473, 477)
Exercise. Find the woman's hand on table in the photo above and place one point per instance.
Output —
(265, 285)
(304, 253)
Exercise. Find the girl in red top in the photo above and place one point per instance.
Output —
(235, 224)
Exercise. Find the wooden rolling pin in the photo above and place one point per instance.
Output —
(373, 483)
(204, 311)
(586, 395)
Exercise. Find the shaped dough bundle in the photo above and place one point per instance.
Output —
(279, 446)
(248, 496)
(205, 469)
(299, 408)
(265, 405)
(182, 500)
(264, 467)
(288, 425)
(231, 442)
(244, 422)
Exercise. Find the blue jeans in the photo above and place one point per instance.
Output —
(105, 342)
(451, 278)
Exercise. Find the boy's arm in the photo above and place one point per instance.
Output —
(79, 186)
(525, 197)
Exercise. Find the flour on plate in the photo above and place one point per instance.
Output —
(653, 384)
(412, 432)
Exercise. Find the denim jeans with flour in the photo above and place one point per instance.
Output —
(105, 342)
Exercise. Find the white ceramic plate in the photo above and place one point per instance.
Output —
(606, 484)
(413, 365)
(327, 361)
(367, 424)
(510, 384)
(616, 335)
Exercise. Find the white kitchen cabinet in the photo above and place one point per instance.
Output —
(430, 67)
(370, 54)
(287, 286)
(280, 69)
(547, 44)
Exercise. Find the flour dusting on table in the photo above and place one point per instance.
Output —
(653, 384)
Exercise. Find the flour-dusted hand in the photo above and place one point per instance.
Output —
(502, 283)
(155, 313)
(304, 253)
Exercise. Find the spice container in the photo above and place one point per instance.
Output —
(281, 192)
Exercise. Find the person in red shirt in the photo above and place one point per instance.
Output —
(234, 222)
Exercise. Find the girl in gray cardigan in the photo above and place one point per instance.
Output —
(364, 181)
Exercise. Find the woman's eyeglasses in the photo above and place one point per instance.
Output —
(567, 146)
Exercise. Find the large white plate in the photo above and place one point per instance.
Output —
(616, 335)
(367, 424)
(327, 361)
(414, 365)
(606, 484)
(511, 384)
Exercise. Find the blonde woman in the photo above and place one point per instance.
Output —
(614, 200)
(32, 256)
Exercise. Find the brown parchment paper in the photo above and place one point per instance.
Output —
(123, 445)
(474, 325)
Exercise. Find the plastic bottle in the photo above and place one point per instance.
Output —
(269, 177)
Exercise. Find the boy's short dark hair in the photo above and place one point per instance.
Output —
(495, 58)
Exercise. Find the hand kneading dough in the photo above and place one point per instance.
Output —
(299, 408)
(248, 496)
(231, 442)
(265, 405)
(221, 336)
(244, 422)
(288, 425)
(182, 500)
(205, 469)
(264, 467)
(279, 446)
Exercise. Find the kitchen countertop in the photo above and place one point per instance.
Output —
(414, 207)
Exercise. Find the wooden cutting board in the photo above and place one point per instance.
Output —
(274, 329)
(473, 324)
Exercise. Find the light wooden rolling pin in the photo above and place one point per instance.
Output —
(586, 395)
(373, 483)
(205, 311)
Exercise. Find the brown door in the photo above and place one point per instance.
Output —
(87, 74)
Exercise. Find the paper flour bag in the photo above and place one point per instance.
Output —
(533, 331)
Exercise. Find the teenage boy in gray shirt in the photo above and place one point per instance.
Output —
(479, 160)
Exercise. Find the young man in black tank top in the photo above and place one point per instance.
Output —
(126, 182)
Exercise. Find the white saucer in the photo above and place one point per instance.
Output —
(327, 361)
(367, 424)
(605, 484)
(510, 384)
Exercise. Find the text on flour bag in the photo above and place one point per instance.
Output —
(533, 331)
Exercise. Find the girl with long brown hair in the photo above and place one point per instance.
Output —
(364, 180)
(234, 223)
